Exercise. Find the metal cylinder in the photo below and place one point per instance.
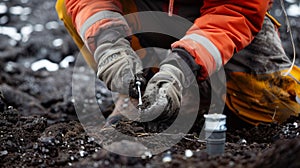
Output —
(215, 133)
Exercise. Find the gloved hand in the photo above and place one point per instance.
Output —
(117, 62)
(163, 94)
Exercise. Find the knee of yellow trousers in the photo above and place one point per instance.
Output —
(263, 98)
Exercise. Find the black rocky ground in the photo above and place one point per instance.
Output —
(39, 126)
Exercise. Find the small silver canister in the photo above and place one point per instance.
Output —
(215, 133)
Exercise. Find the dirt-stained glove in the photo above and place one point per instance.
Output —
(163, 94)
(117, 62)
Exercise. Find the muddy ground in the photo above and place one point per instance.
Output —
(38, 122)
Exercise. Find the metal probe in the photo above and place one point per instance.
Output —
(138, 83)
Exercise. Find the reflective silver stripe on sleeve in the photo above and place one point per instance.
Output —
(211, 48)
(96, 17)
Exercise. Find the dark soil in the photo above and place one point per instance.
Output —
(39, 126)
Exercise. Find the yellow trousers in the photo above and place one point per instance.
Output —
(264, 98)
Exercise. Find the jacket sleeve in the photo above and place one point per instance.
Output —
(224, 27)
(89, 17)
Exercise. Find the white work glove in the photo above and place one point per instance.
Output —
(163, 94)
(117, 62)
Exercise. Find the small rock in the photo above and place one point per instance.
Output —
(188, 153)
(82, 153)
(295, 125)
(3, 153)
(147, 155)
(167, 159)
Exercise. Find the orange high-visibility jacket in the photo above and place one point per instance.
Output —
(221, 27)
